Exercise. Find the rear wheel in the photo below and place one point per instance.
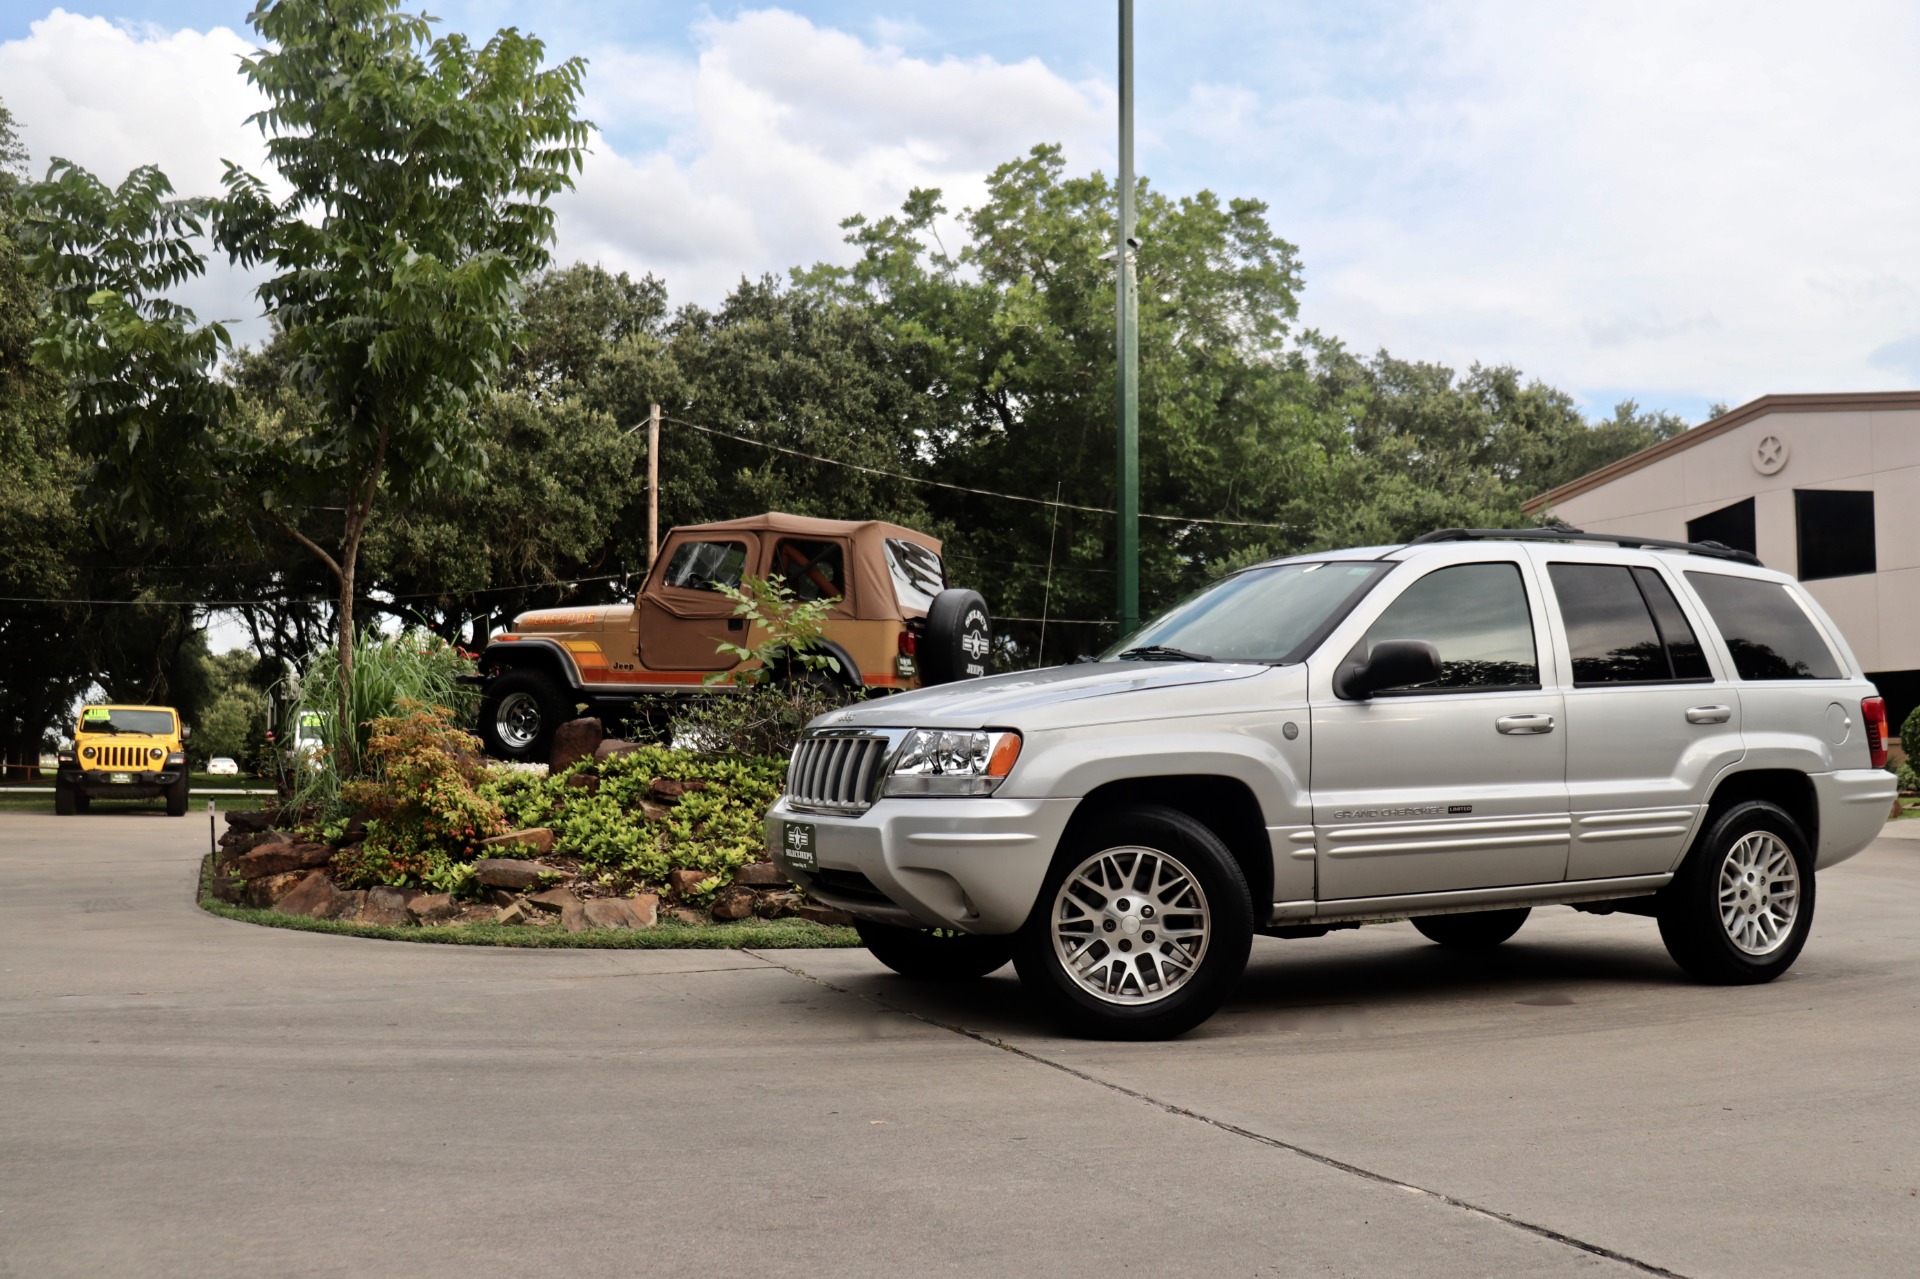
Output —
(518, 714)
(934, 954)
(1474, 930)
(1742, 905)
(1142, 927)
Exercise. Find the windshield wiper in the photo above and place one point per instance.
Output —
(1162, 653)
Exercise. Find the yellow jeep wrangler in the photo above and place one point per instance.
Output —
(123, 752)
(894, 625)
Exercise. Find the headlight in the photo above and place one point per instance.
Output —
(87, 753)
(933, 762)
(155, 753)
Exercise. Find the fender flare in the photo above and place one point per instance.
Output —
(532, 654)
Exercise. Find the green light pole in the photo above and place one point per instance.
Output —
(1127, 342)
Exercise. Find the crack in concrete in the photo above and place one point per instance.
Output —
(1276, 1143)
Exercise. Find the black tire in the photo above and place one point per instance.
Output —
(1700, 931)
(177, 798)
(82, 802)
(1187, 1001)
(63, 805)
(1474, 930)
(518, 713)
(958, 640)
(934, 954)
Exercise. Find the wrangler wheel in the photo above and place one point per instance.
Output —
(518, 714)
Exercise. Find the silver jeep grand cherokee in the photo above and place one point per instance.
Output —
(1453, 731)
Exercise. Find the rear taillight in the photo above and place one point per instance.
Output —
(1874, 711)
(909, 643)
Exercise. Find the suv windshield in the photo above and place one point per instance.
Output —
(100, 719)
(1260, 615)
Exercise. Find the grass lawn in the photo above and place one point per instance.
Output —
(29, 802)
(758, 934)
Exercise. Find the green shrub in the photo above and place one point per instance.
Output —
(1910, 746)
(425, 813)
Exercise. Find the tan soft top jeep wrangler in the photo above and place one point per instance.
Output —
(895, 624)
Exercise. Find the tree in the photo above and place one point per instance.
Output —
(420, 173)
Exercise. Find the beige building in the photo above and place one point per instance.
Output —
(1826, 487)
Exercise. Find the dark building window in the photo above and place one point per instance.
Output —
(1729, 526)
(1836, 532)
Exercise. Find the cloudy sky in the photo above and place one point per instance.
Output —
(1678, 202)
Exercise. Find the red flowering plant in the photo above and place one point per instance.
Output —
(425, 818)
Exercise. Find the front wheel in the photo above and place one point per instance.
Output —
(63, 805)
(518, 713)
(177, 798)
(1142, 927)
(1472, 930)
(934, 954)
(1742, 905)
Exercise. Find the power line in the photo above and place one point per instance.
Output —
(962, 488)
(262, 603)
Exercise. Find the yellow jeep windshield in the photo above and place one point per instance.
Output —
(101, 719)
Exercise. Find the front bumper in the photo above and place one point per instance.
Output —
(98, 783)
(973, 864)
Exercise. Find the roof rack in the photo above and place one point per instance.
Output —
(1566, 533)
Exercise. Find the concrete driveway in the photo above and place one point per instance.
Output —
(181, 1095)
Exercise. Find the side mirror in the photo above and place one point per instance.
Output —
(1392, 664)
(186, 732)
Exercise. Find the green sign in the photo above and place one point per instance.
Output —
(96, 712)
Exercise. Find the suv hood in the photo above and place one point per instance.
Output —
(978, 703)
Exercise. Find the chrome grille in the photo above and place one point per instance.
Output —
(836, 772)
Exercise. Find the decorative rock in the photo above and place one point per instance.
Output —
(606, 912)
(760, 875)
(776, 905)
(651, 811)
(432, 908)
(682, 882)
(645, 909)
(500, 897)
(666, 790)
(228, 888)
(687, 915)
(733, 903)
(531, 843)
(574, 741)
(278, 859)
(584, 781)
(514, 913)
(573, 918)
(313, 895)
(268, 889)
(387, 905)
(257, 819)
(346, 905)
(554, 899)
(503, 872)
(823, 914)
(614, 746)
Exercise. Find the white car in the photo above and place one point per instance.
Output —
(1453, 731)
(221, 766)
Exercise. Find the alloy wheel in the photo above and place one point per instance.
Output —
(1130, 925)
(1759, 893)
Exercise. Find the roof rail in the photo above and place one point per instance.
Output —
(1566, 533)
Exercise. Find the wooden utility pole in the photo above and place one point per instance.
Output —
(653, 487)
(1127, 361)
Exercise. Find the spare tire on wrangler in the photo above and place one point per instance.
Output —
(958, 639)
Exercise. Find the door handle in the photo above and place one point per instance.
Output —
(1709, 714)
(1522, 725)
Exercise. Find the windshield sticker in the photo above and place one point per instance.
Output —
(96, 713)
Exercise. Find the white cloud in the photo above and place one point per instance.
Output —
(1683, 202)
(739, 160)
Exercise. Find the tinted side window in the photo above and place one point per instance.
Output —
(1768, 633)
(1476, 615)
(705, 566)
(1610, 632)
(814, 570)
(1683, 650)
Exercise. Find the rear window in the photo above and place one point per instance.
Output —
(917, 574)
(1769, 634)
(1624, 626)
(706, 566)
